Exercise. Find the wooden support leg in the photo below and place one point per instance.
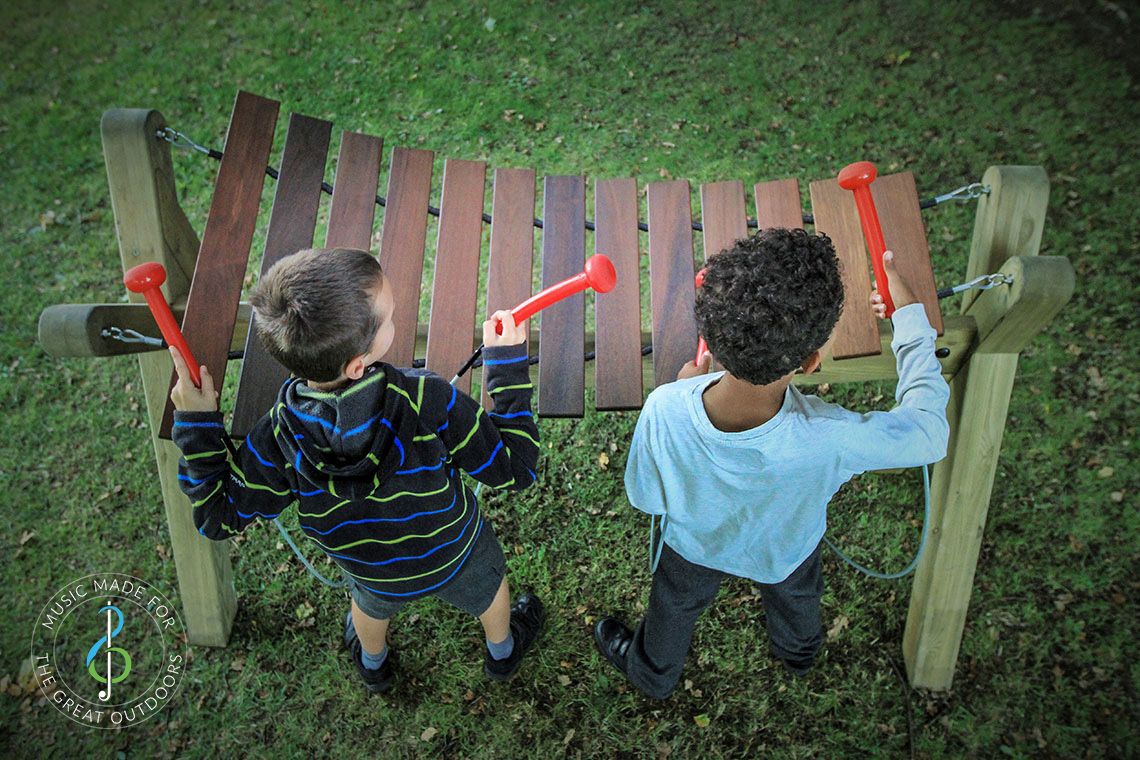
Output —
(152, 227)
(1009, 224)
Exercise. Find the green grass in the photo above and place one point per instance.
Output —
(698, 91)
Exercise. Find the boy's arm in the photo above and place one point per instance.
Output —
(915, 432)
(500, 447)
(226, 494)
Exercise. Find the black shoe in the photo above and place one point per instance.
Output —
(797, 669)
(527, 618)
(378, 680)
(612, 638)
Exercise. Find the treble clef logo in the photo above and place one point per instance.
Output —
(105, 694)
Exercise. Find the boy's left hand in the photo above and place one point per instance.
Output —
(187, 397)
(692, 369)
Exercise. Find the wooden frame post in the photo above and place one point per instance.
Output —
(151, 226)
(1007, 235)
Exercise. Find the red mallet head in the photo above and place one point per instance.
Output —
(141, 278)
(147, 279)
(600, 273)
(858, 174)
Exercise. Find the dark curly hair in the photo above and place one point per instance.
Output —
(769, 301)
(313, 310)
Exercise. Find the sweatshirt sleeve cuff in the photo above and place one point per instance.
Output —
(494, 355)
(910, 323)
(198, 419)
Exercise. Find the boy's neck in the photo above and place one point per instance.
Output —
(734, 405)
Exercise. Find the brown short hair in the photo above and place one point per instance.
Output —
(313, 310)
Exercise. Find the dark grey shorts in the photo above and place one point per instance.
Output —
(471, 590)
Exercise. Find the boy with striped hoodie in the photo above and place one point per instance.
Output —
(371, 455)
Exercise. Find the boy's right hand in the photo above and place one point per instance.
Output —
(900, 292)
(512, 334)
(692, 369)
(184, 394)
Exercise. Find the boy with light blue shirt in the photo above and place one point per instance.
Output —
(741, 465)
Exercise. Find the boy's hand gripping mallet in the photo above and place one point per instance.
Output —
(702, 347)
(146, 279)
(857, 178)
(599, 274)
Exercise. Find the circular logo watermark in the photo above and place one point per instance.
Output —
(109, 650)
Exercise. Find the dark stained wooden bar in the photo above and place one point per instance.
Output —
(671, 286)
(353, 206)
(455, 285)
(778, 204)
(291, 224)
(211, 306)
(856, 333)
(896, 198)
(723, 217)
(512, 244)
(562, 326)
(402, 241)
(617, 366)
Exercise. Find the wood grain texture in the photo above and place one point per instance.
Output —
(512, 245)
(291, 224)
(454, 289)
(671, 288)
(562, 372)
(778, 204)
(856, 333)
(211, 307)
(723, 216)
(896, 198)
(402, 243)
(353, 207)
(617, 365)
(151, 226)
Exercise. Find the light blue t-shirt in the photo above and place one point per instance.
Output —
(754, 503)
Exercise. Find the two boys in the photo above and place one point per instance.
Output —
(740, 463)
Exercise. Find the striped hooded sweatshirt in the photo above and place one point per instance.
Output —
(374, 468)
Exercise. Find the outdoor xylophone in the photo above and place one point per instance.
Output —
(978, 348)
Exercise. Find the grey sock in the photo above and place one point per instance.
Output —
(503, 649)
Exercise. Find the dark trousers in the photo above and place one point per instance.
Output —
(682, 590)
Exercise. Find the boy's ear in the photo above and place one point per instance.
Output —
(812, 362)
(354, 370)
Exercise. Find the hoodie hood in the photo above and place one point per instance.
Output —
(345, 441)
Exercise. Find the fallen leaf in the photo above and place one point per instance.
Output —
(27, 536)
(837, 627)
(566, 739)
(429, 734)
(564, 680)
(701, 720)
(603, 460)
(1105, 472)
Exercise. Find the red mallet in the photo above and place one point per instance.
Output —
(702, 347)
(146, 279)
(599, 275)
(857, 178)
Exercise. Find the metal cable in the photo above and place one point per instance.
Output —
(181, 140)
